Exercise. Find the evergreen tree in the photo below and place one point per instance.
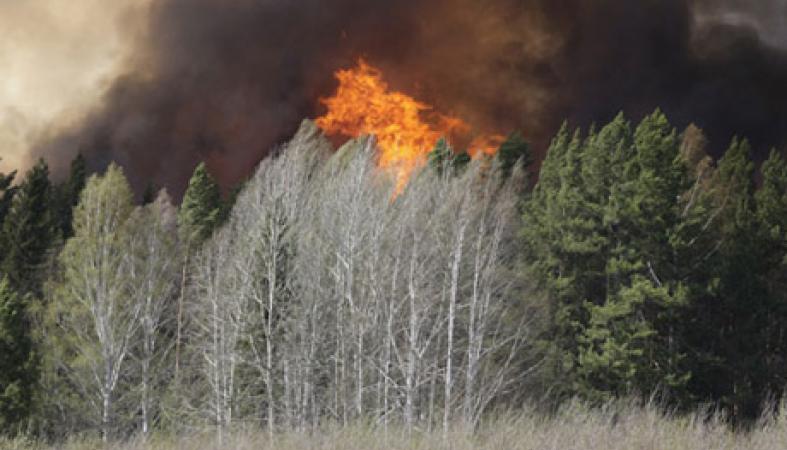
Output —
(730, 320)
(772, 219)
(557, 252)
(6, 195)
(29, 230)
(443, 157)
(200, 212)
(630, 341)
(599, 232)
(513, 150)
(17, 364)
(441, 153)
(68, 195)
(149, 194)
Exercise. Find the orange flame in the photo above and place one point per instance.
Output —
(406, 129)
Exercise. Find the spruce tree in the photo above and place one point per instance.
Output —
(6, 195)
(68, 195)
(17, 364)
(200, 212)
(29, 230)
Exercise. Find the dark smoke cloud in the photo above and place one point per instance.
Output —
(226, 80)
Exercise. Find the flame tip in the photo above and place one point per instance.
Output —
(364, 105)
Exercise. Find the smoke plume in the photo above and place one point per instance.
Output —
(56, 57)
(226, 80)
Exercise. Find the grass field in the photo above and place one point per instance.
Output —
(575, 428)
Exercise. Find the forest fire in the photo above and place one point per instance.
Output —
(406, 129)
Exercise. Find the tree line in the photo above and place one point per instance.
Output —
(632, 264)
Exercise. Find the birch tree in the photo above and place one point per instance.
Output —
(154, 267)
(93, 315)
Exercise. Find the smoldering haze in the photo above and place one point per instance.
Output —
(224, 81)
(55, 58)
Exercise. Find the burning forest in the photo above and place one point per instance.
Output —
(232, 224)
(184, 81)
(405, 129)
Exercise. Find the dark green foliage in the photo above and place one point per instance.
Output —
(200, 212)
(443, 157)
(663, 273)
(739, 343)
(28, 233)
(68, 195)
(599, 233)
(17, 364)
(29, 230)
(149, 194)
(513, 150)
(6, 194)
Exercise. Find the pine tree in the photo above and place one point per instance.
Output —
(731, 344)
(6, 195)
(443, 157)
(29, 230)
(149, 194)
(513, 150)
(17, 364)
(440, 155)
(599, 230)
(68, 195)
(772, 219)
(557, 254)
(200, 212)
(631, 344)
(609, 344)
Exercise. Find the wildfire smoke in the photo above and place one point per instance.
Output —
(225, 81)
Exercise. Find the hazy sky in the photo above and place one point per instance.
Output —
(56, 57)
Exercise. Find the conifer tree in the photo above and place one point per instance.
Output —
(443, 157)
(6, 194)
(17, 364)
(599, 231)
(441, 153)
(630, 341)
(29, 230)
(68, 195)
(557, 251)
(513, 150)
(200, 212)
(772, 219)
(149, 194)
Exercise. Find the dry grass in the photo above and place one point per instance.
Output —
(575, 428)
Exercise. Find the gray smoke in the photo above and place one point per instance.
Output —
(225, 81)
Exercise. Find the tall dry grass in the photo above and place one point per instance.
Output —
(616, 427)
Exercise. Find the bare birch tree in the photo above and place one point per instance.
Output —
(153, 261)
(349, 298)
